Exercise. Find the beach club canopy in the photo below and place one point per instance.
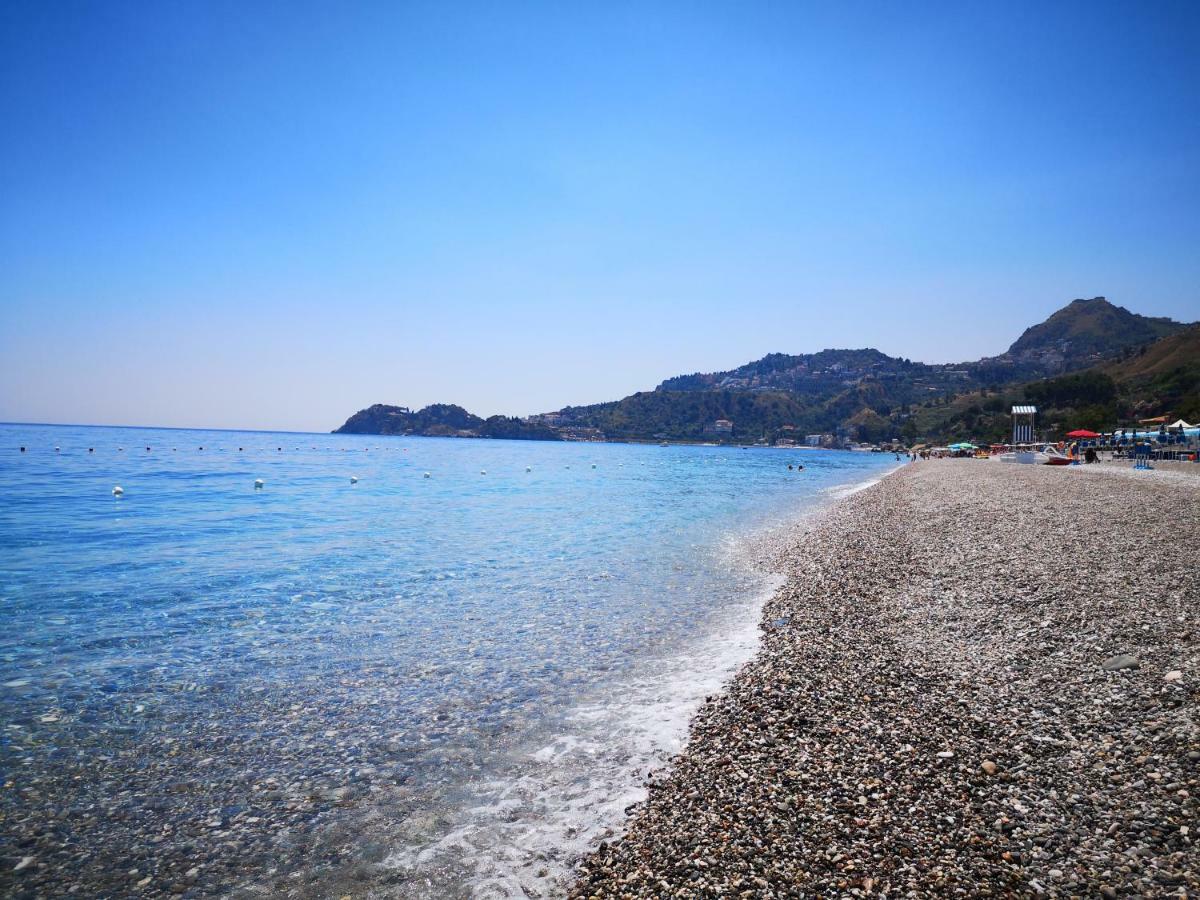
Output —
(1179, 423)
(1082, 433)
(962, 445)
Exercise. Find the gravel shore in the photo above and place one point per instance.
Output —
(979, 679)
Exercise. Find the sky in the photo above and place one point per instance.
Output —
(270, 215)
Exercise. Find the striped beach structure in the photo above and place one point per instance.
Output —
(1023, 417)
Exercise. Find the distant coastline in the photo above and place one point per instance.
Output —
(1091, 365)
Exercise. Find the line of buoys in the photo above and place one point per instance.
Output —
(259, 483)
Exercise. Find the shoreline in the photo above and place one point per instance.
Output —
(567, 793)
(930, 709)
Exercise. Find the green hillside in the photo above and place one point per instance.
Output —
(442, 420)
(1162, 378)
(1089, 329)
(1091, 364)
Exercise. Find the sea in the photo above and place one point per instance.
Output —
(319, 665)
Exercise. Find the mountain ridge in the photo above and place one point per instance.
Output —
(861, 393)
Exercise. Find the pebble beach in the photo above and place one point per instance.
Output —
(978, 680)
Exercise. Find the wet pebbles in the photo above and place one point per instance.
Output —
(979, 680)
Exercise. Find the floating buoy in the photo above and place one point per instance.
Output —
(118, 491)
(258, 483)
(354, 479)
(427, 475)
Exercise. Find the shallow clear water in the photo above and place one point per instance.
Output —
(402, 686)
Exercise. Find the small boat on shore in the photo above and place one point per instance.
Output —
(1026, 455)
(1048, 455)
(1055, 457)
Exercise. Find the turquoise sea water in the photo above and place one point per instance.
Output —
(400, 686)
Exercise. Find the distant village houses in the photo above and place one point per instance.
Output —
(720, 426)
(581, 433)
(552, 419)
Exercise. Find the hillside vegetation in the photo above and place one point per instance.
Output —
(1162, 378)
(1091, 364)
(442, 420)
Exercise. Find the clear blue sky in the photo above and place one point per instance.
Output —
(251, 214)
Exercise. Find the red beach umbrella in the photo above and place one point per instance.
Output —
(1082, 433)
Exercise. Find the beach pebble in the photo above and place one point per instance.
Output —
(1120, 661)
(1173, 675)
